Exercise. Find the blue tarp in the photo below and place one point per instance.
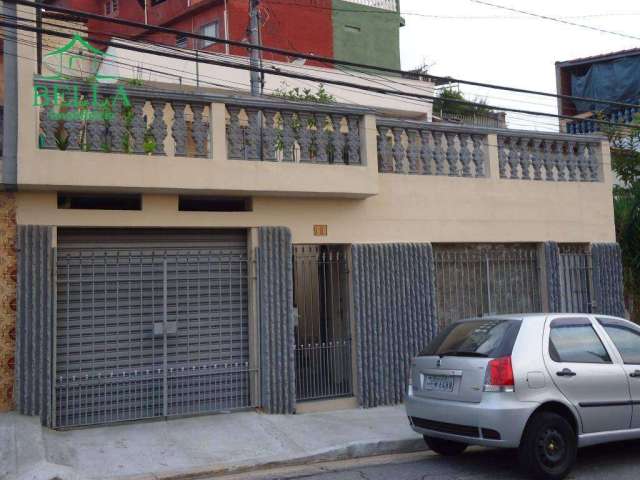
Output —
(616, 80)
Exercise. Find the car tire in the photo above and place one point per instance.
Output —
(549, 446)
(448, 448)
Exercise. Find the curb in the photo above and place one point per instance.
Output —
(347, 452)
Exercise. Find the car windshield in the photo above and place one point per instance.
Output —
(478, 338)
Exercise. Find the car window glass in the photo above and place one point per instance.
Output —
(625, 337)
(576, 342)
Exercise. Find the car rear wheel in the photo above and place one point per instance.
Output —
(549, 446)
(448, 448)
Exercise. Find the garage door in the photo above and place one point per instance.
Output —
(150, 324)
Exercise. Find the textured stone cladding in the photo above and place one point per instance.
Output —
(8, 268)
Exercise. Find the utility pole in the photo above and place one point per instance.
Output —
(254, 38)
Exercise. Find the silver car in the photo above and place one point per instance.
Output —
(543, 383)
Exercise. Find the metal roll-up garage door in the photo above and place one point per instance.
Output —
(150, 323)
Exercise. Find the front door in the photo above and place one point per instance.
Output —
(626, 338)
(583, 370)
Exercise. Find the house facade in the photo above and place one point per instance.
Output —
(185, 252)
(612, 77)
(362, 31)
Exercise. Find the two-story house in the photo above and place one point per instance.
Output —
(169, 250)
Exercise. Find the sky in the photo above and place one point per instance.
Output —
(456, 39)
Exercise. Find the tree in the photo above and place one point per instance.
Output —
(444, 104)
(625, 163)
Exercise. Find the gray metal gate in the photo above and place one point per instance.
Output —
(575, 279)
(484, 279)
(323, 327)
(150, 325)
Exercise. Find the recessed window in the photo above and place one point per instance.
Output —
(192, 203)
(181, 41)
(111, 7)
(99, 201)
(209, 30)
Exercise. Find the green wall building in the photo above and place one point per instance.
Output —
(367, 34)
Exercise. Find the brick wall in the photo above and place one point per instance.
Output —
(7, 298)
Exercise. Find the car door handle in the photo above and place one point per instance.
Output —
(565, 372)
(635, 374)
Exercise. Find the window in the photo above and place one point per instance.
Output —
(191, 203)
(181, 41)
(209, 30)
(574, 340)
(626, 338)
(111, 7)
(490, 337)
(99, 201)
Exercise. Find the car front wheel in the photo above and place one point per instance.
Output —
(445, 447)
(549, 446)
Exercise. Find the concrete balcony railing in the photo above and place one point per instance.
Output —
(180, 140)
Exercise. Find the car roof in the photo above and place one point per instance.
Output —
(533, 316)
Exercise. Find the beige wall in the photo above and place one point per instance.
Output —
(407, 209)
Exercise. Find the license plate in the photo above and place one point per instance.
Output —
(438, 383)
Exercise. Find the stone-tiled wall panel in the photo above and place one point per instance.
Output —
(7, 299)
(394, 310)
(275, 293)
(607, 278)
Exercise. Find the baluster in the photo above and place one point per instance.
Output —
(269, 136)
(426, 152)
(234, 133)
(200, 130)
(288, 136)
(559, 161)
(583, 162)
(158, 126)
(321, 138)
(304, 137)
(254, 133)
(438, 152)
(478, 154)
(48, 126)
(74, 129)
(536, 158)
(514, 158)
(465, 154)
(385, 154)
(453, 155)
(353, 139)
(413, 152)
(502, 157)
(525, 160)
(138, 125)
(398, 150)
(97, 128)
(548, 160)
(594, 163)
(179, 128)
(337, 140)
(572, 161)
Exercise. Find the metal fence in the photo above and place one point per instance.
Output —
(478, 280)
(575, 279)
(147, 332)
(323, 327)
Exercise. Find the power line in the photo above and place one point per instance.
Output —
(554, 19)
(321, 59)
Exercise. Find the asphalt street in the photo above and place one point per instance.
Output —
(620, 461)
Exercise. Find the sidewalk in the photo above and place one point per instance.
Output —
(188, 448)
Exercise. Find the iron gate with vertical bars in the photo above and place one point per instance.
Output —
(575, 279)
(323, 328)
(477, 280)
(150, 327)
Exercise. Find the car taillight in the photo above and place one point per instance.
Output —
(499, 377)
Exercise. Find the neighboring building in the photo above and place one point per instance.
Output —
(612, 76)
(364, 31)
(204, 251)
